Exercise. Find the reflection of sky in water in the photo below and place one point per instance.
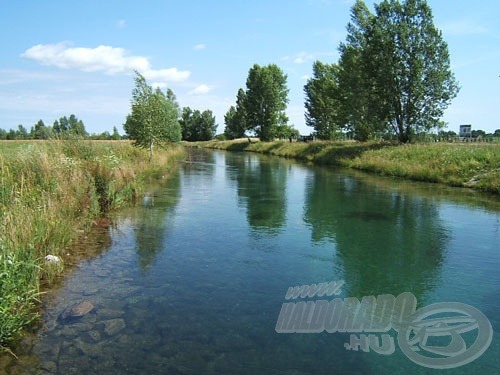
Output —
(194, 282)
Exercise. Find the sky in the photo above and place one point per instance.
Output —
(77, 57)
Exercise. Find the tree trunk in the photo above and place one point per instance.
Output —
(150, 151)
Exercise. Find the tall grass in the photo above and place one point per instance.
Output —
(50, 192)
(474, 165)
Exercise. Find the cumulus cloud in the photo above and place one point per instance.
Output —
(107, 59)
(200, 90)
(199, 47)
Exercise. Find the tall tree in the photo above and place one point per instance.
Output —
(154, 117)
(22, 132)
(395, 70)
(322, 101)
(40, 131)
(266, 100)
(362, 111)
(76, 127)
(115, 136)
(415, 77)
(235, 118)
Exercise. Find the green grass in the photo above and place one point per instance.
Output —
(474, 165)
(49, 193)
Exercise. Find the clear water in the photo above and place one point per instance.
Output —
(192, 282)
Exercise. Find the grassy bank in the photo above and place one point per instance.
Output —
(475, 165)
(50, 192)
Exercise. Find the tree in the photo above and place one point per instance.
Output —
(40, 131)
(208, 125)
(22, 132)
(360, 109)
(115, 136)
(154, 116)
(322, 101)
(196, 125)
(266, 100)
(76, 127)
(56, 128)
(404, 67)
(235, 118)
(64, 125)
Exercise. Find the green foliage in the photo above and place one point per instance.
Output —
(71, 127)
(196, 125)
(322, 101)
(154, 117)
(235, 118)
(360, 109)
(265, 100)
(286, 131)
(394, 71)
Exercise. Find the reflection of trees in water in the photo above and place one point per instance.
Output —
(262, 190)
(388, 242)
(154, 219)
(151, 222)
(199, 161)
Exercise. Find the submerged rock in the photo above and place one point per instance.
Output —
(113, 326)
(77, 310)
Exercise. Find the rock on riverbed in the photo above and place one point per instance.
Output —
(77, 310)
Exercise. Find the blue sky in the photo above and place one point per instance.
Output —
(62, 57)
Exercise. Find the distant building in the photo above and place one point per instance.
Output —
(465, 131)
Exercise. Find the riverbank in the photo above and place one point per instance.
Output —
(50, 194)
(472, 165)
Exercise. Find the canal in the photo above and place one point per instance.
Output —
(197, 279)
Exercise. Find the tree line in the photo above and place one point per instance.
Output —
(63, 128)
(392, 81)
(393, 78)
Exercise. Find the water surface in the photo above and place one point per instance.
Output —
(193, 280)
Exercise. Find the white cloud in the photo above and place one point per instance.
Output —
(303, 57)
(199, 47)
(107, 59)
(166, 75)
(200, 90)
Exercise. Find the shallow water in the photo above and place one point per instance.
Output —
(193, 281)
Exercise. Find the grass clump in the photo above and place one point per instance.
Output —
(49, 192)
